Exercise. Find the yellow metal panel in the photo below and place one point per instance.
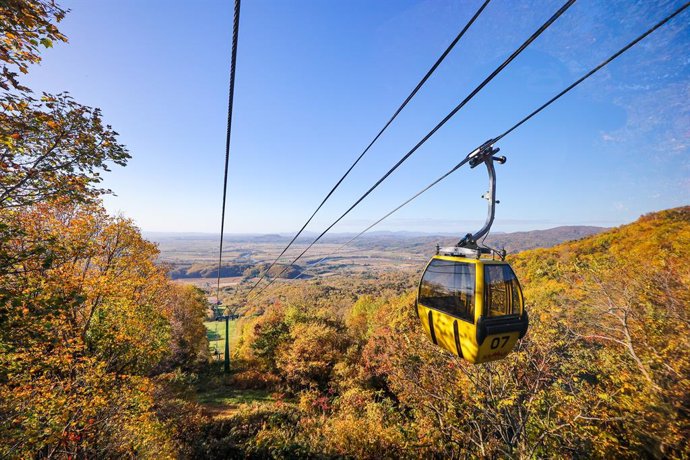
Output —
(479, 292)
(457, 259)
(497, 346)
(445, 334)
(468, 340)
(424, 317)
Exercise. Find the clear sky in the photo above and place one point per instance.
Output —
(317, 79)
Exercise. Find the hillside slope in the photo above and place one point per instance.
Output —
(603, 371)
(522, 241)
(623, 298)
(512, 242)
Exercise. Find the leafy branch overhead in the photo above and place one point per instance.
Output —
(25, 27)
(53, 147)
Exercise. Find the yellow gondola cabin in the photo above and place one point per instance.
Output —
(471, 307)
(469, 302)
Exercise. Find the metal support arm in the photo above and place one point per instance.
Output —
(485, 155)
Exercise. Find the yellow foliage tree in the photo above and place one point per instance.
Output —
(85, 321)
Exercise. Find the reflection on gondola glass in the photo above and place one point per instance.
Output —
(449, 287)
(502, 291)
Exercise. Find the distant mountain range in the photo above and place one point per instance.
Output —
(522, 241)
(512, 242)
(192, 253)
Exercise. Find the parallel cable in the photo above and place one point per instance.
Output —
(595, 70)
(514, 127)
(395, 115)
(231, 96)
(450, 115)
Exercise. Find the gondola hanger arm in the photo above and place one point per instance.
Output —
(485, 154)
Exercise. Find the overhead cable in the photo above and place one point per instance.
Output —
(388, 123)
(514, 127)
(231, 96)
(450, 115)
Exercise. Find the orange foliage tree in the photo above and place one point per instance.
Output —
(85, 323)
(92, 334)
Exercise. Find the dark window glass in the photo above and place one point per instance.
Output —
(449, 287)
(502, 291)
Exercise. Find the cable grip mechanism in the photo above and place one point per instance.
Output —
(468, 245)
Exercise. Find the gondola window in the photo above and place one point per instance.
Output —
(502, 291)
(449, 287)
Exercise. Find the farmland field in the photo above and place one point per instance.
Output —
(193, 258)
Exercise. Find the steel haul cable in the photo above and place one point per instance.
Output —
(516, 125)
(385, 127)
(450, 115)
(231, 96)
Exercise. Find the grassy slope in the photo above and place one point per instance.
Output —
(216, 335)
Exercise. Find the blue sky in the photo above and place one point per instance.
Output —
(317, 79)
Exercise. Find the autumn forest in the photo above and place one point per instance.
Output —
(104, 355)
